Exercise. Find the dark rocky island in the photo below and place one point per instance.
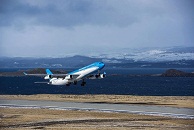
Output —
(176, 73)
(30, 71)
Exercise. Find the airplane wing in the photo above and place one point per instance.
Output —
(53, 75)
(72, 76)
(41, 82)
(97, 76)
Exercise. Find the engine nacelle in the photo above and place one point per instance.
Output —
(69, 77)
(102, 76)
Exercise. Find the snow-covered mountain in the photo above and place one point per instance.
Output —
(149, 54)
(172, 57)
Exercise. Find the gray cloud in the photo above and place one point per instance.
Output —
(70, 13)
(64, 27)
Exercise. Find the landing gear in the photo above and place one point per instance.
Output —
(68, 84)
(83, 83)
(75, 82)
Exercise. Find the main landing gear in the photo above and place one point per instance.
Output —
(67, 84)
(75, 82)
(83, 83)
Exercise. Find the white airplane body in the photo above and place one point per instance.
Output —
(75, 76)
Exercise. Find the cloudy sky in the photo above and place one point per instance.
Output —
(30, 28)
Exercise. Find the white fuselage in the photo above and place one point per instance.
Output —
(85, 72)
(82, 74)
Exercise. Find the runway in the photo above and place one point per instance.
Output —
(173, 112)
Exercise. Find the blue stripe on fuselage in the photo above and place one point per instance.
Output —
(100, 66)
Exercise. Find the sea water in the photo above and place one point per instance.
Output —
(118, 81)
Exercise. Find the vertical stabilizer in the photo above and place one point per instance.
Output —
(48, 72)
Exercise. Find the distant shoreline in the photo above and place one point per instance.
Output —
(167, 73)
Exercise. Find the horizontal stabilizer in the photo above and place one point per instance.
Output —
(41, 82)
(25, 73)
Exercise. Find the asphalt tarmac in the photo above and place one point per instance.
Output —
(173, 112)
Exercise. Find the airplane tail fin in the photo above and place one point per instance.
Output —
(48, 72)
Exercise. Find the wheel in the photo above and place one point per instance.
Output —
(67, 84)
(75, 82)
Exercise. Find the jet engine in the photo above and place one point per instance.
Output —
(102, 75)
(69, 77)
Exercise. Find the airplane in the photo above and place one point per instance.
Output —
(86, 72)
